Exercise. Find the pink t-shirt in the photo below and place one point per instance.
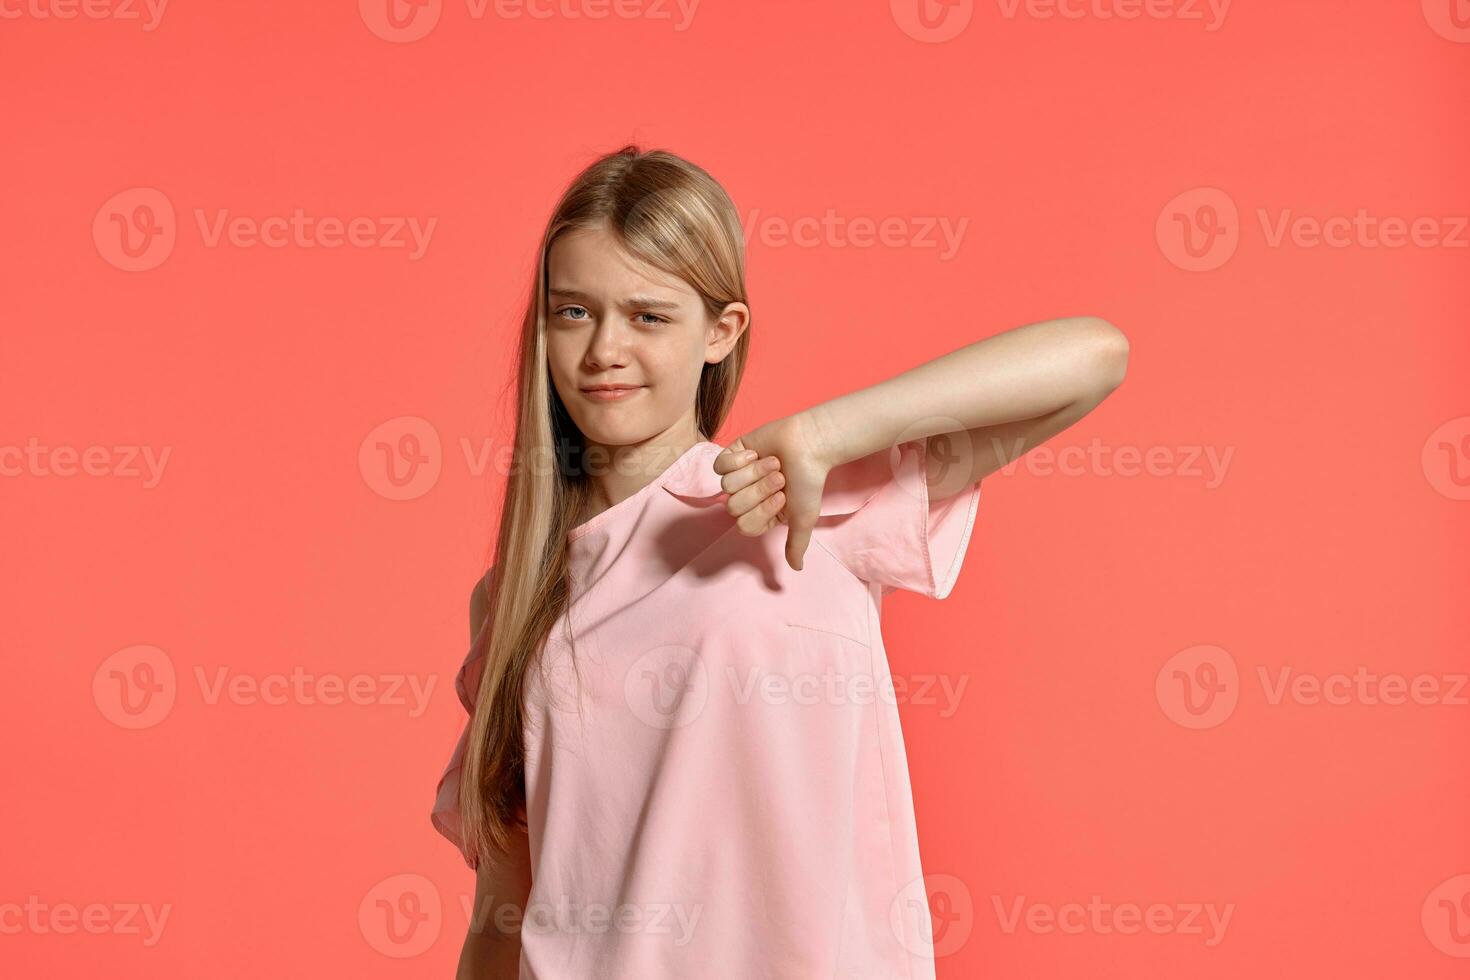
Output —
(732, 799)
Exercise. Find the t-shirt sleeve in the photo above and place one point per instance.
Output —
(446, 815)
(877, 519)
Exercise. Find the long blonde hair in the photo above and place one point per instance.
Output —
(674, 216)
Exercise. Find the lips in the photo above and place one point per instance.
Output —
(611, 393)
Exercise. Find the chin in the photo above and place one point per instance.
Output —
(613, 430)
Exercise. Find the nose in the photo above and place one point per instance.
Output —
(607, 347)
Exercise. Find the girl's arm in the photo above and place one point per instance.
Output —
(1001, 396)
(492, 946)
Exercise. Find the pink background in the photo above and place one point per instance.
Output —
(1075, 150)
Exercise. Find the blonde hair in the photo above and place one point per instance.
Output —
(675, 217)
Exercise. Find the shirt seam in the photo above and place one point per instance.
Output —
(867, 585)
(943, 589)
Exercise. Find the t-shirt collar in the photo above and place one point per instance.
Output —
(693, 476)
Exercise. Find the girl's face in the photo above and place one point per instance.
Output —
(613, 320)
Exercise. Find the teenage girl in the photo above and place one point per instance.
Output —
(679, 761)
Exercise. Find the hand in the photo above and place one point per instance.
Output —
(780, 483)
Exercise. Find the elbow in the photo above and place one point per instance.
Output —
(1106, 355)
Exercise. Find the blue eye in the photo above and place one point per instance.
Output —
(654, 317)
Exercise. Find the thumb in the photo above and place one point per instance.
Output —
(798, 538)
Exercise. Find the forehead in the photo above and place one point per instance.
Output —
(592, 262)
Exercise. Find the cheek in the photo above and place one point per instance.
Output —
(681, 355)
(676, 365)
(560, 360)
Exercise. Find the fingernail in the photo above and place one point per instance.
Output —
(749, 455)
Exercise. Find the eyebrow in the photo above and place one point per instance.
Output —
(641, 302)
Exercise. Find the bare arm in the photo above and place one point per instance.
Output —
(1000, 397)
(996, 399)
(492, 946)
